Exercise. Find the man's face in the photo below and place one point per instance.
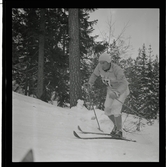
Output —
(104, 65)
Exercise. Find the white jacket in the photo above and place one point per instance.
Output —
(114, 77)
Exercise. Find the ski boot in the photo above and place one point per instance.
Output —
(118, 134)
(113, 132)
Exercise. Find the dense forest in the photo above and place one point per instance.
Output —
(54, 53)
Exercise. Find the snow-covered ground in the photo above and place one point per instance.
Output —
(48, 131)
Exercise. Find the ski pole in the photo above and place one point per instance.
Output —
(94, 112)
(96, 118)
(129, 108)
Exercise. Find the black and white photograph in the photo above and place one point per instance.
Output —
(85, 84)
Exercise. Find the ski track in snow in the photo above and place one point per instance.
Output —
(48, 131)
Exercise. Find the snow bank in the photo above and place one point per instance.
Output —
(48, 131)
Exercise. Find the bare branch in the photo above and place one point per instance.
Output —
(122, 32)
(110, 24)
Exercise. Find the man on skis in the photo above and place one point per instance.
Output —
(117, 88)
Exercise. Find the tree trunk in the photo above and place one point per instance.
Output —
(26, 85)
(74, 57)
(64, 43)
(41, 55)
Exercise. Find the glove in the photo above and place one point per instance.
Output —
(113, 95)
(87, 86)
(106, 81)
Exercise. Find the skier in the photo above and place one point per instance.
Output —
(117, 88)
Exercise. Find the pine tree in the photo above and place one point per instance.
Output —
(150, 99)
(25, 28)
(57, 60)
(143, 96)
(155, 65)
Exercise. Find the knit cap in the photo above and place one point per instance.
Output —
(105, 57)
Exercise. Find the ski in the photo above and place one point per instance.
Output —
(95, 133)
(105, 137)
